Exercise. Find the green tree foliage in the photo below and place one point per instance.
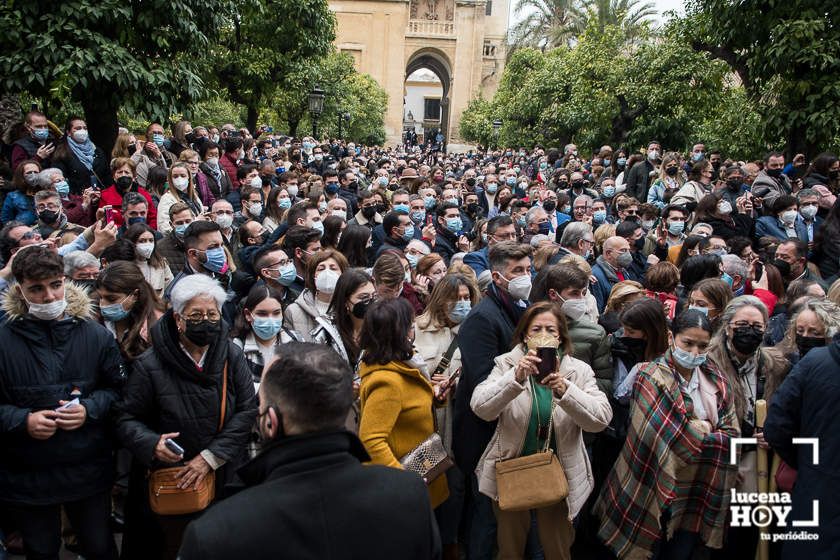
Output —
(346, 92)
(264, 42)
(787, 54)
(143, 56)
(600, 92)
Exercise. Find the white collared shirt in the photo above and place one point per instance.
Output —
(692, 389)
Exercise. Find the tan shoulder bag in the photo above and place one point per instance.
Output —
(166, 498)
(532, 481)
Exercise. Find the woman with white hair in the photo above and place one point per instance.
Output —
(193, 387)
(753, 373)
(79, 208)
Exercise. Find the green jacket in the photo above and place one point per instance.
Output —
(592, 346)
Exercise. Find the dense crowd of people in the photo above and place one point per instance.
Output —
(207, 334)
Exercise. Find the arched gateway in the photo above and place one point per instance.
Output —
(462, 42)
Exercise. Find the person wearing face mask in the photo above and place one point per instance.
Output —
(566, 401)
(218, 180)
(305, 452)
(735, 185)
(699, 184)
(727, 222)
(808, 200)
(181, 189)
(650, 512)
(322, 272)
(260, 330)
(124, 172)
(128, 307)
(201, 183)
(19, 204)
(436, 330)
(192, 363)
(487, 330)
(487, 200)
(37, 145)
(670, 180)
(637, 179)
(51, 217)
(813, 325)
(152, 153)
(772, 178)
(83, 163)
(611, 268)
(784, 223)
(171, 246)
(448, 227)
(754, 372)
(567, 284)
(49, 331)
(398, 229)
(80, 209)
(152, 265)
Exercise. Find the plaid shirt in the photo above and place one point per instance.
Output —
(667, 464)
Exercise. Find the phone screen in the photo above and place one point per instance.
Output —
(109, 215)
(548, 362)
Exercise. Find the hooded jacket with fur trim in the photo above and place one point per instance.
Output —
(41, 363)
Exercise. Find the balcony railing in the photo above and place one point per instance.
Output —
(430, 28)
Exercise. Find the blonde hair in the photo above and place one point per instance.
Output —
(604, 232)
(621, 292)
(121, 145)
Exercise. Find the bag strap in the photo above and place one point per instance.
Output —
(224, 398)
(446, 359)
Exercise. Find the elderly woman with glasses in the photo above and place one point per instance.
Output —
(175, 391)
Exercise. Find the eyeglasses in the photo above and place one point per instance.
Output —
(198, 316)
(505, 236)
(741, 324)
(42, 207)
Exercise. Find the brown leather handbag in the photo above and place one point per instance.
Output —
(165, 498)
(532, 481)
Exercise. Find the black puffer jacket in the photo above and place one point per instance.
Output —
(42, 362)
(78, 176)
(167, 393)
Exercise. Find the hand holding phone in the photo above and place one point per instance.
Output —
(109, 214)
(69, 404)
(547, 364)
(172, 446)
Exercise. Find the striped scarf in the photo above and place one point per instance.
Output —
(668, 465)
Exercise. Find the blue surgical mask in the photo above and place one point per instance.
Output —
(62, 188)
(412, 260)
(418, 216)
(216, 260)
(429, 201)
(460, 310)
(599, 216)
(676, 228)
(621, 161)
(607, 162)
(180, 230)
(288, 275)
(319, 225)
(383, 181)
(408, 235)
(401, 207)
(728, 279)
(687, 359)
(520, 221)
(492, 187)
(158, 139)
(510, 181)
(545, 228)
(331, 188)
(454, 224)
(609, 191)
(114, 312)
(42, 133)
(284, 203)
(703, 310)
(266, 328)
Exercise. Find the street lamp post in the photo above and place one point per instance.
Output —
(342, 119)
(316, 107)
(497, 124)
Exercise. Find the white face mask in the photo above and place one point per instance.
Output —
(256, 182)
(255, 209)
(574, 308)
(326, 280)
(80, 136)
(520, 287)
(145, 250)
(181, 183)
(213, 162)
(340, 213)
(46, 311)
(224, 221)
(292, 190)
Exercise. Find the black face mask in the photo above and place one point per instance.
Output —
(807, 343)
(360, 308)
(549, 205)
(48, 216)
(472, 208)
(671, 171)
(471, 182)
(783, 266)
(380, 208)
(834, 174)
(265, 180)
(635, 346)
(775, 173)
(746, 340)
(123, 184)
(369, 212)
(204, 332)
(577, 185)
(734, 184)
(640, 243)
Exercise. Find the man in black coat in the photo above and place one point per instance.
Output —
(308, 495)
(61, 373)
(637, 180)
(485, 334)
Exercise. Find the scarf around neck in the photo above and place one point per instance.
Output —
(84, 151)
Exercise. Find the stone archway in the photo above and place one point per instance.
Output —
(436, 61)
